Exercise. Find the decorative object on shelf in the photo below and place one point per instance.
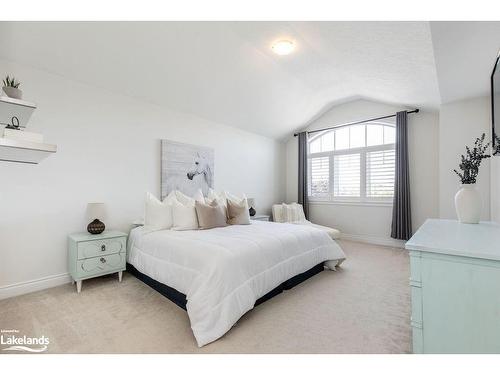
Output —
(251, 205)
(15, 113)
(17, 145)
(11, 88)
(95, 211)
(14, 124)
(468, 200)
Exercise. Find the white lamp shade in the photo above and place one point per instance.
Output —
(96, 211)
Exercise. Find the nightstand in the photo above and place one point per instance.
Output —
(92, 255)
(260, 217)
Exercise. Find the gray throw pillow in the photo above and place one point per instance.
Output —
(210, 215)
(237, 212)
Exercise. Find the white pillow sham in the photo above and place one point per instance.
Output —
(292, 213)
(157, 214)
(184, 216)
(300, 212)
(185, 199)
(218, 197)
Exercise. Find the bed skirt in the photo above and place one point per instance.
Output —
(180, 298)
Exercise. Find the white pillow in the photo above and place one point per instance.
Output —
(198, 196)
(293, 213)
(300, 212)
(184, 216)
(212, 194)
(184, 199)
(170, 198)
(219, 198)
(157, 215)
(289, 213)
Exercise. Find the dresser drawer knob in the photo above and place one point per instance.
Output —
(103, 247)
(103, 260)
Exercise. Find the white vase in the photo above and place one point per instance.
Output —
(12, 92)
(468, 204)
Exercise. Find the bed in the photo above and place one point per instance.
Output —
(219, 274)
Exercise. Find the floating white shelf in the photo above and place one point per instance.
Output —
(18, 112)
(24, 152)
(10, 108)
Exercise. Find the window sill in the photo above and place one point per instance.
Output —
(350, 203)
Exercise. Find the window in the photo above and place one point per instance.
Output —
(346, 172)
(320, 177)
(353, 162)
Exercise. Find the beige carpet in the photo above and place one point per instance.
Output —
(362, 308)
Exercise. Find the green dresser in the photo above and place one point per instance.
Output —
(455, 287)
(91, 255)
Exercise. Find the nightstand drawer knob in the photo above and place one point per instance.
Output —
(103, 260)
(103, 248)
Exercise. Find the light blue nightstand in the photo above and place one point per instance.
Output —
(91, 255)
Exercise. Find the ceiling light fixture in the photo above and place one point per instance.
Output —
(283, 47)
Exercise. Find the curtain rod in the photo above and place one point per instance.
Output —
(356, 122)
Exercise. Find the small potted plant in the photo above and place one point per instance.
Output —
(467, 199)
(11, 88)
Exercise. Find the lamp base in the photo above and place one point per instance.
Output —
(96, 227)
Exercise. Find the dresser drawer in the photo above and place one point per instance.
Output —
(90, 249)
(100, 265)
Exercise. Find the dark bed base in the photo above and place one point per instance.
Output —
(180, 299)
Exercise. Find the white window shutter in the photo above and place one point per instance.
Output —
(380, 174)
(320, 176)
(346, 181)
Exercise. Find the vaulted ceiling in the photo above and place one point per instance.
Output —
(465, 53)
(226, 71)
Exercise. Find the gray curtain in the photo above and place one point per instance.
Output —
(401, 210)
(302, 198)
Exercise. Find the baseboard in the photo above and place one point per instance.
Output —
(374, 240)
(33, 285)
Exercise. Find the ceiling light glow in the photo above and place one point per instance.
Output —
(283, 47)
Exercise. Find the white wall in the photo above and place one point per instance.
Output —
(109, 151)
(373, 222)
(460, 123)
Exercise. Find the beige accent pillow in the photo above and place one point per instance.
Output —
(226, 195)
(237, 212)
(210, 215)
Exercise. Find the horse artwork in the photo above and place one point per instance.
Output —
(186, 168)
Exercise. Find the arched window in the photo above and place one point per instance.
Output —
(353, 162)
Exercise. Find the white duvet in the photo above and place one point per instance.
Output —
(223, 271)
